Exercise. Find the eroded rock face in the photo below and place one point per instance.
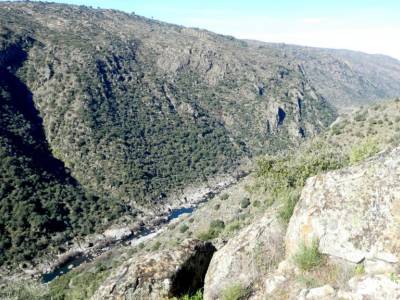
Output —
(161, 275)
(354, 213)
(246, 258)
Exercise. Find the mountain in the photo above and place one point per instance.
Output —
(108, 113)
(258, 225)
(347, 79)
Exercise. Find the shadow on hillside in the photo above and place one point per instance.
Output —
(16, 101)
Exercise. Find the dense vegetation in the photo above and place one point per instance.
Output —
(41, 204)
(105, 113)
(100, 117)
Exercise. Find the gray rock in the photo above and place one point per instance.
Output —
(160, 275)
(353, 212)
(246, 258)
(372, 287)
(378, 267)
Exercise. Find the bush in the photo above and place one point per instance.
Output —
(235, 292)
(24, 290)
(224, 197)
(156, 246)
(359, 270)
(245, 203)
(183, 228)
(283, 176)
(217, 224)
(360, 117)
(215, 228)
(364, 150)
(234, 226)
(197, 296)
(286, 210)
(308, 258)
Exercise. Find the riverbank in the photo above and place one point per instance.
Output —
(84, 250)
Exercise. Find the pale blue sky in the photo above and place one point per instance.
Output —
(367, 25)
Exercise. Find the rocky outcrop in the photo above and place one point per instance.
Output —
(161, 275)
(246, 258)
(354, 213)
(359, 288)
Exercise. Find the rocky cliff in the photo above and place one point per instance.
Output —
(341, 242)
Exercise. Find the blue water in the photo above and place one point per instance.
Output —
(175, 213)
(65, 268)
(76, 261)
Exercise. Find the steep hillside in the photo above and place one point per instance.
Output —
(156, 105)
(347, 79)
(41, 205)
(127, 110)
(122, 111)
(252, 216)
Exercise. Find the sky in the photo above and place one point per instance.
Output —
(371, 26)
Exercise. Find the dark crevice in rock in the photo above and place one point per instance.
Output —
(280, 116)
(190, 277)
(299, 105)
(302, 132)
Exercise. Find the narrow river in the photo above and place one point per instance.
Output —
(144, 234)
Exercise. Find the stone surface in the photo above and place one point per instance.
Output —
(246, 258)
(323, 292)
(354, 213)
(117, 233)
(272, 283)
(378, 267)
(160, 275)
(372, 287)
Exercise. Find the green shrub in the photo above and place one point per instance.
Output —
(234, 226)
(359, 270)
(78, 285)
(197, 296)
(224, 197)
(308, 257)
(364, 150)
(283, 176)
(215, 228)
(208, 235)
(217, 224)
(183, 228)
(156, 246)
(235, 292)
(360, 117)
(24, 290)
(245, 203)
(286, 210)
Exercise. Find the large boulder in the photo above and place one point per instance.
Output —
(353, 213)
(161, 275)
(246, 258)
